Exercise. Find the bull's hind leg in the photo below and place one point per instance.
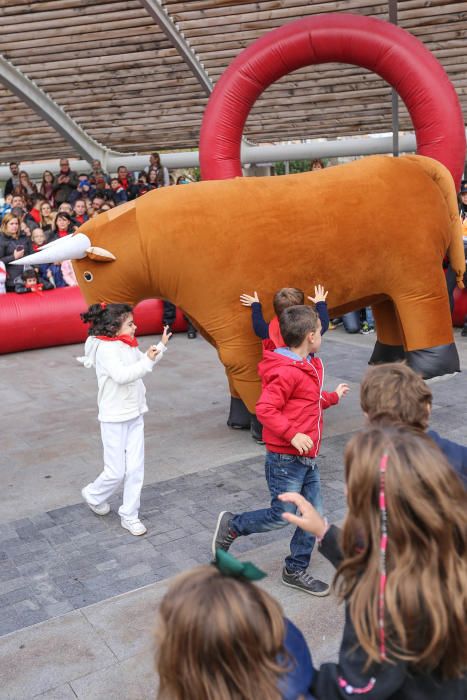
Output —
(390, 344)
(425, 318)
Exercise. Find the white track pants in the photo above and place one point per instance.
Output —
(123, 461)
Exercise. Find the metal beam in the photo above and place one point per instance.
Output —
(361, 146)
(394, 95)
(177, 38)
(30, 93)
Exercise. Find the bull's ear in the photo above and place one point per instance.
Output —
(100, 254)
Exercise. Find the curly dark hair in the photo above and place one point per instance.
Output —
(106, 319)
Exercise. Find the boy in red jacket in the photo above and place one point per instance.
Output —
(291, 410)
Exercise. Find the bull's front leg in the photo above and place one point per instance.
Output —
(241, 364)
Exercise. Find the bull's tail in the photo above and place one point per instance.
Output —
(443, 178)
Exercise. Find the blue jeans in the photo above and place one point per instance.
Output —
(351, 320)
(285, 473)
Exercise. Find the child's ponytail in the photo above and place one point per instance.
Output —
(106, 319)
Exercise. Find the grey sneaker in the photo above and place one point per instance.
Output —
(223, 535)
(304, 582)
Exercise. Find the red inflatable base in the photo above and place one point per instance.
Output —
(29, 321)
(460, 307)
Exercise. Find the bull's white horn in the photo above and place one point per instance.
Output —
(47, 245)
(100, 254)
(68, 248)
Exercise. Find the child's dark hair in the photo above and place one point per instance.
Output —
(285, 297)
(106, 319)
(28, 273)
(295, 324)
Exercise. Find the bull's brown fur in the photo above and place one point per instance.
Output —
(374, 231)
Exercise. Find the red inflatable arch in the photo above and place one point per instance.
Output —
(394, 54)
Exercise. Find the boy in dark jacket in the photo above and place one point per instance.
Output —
(29, 281)
(395, 393)
(290, 408)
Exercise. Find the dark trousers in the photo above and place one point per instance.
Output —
(168, 316)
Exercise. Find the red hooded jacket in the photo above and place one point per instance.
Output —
(292, 401)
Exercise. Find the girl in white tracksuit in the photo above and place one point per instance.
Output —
(113, 350)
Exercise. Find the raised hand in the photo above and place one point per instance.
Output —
(320, 294)
(166, 335)
(248, 300)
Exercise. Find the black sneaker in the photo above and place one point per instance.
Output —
(223, 535)
(304, 582)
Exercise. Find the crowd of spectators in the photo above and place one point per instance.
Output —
(34, 214)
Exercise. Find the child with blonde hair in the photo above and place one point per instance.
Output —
(401, 561)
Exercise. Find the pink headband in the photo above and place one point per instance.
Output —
(383, 544)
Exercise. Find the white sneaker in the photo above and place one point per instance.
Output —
(101, 509)
(136, 527)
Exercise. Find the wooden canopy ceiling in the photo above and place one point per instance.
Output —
(111, 68)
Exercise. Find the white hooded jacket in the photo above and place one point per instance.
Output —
(119, 367)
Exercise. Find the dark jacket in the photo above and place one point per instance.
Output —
(119, 196)
(455, 454)
(297, 683)
(292, 401)
(261, 328)
(7, 248)
(56, 270)
(396, 681)
(10, 186)
(20, 287)
(62, 191)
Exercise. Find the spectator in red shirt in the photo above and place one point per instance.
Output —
(63, 225)
(79, 213)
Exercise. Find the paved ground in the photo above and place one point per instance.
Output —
(79, 595)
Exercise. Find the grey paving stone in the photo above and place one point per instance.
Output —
(9, 621)
(39, 659)
(69, 558)
(14, 596)
(64, 692)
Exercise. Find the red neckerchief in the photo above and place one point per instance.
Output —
(80, 219)
(62, 234)
(36, 289)
(127, 339)
(124, 183)
(275, 333)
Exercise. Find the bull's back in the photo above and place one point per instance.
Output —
(352, 228)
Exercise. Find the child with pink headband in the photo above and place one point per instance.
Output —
(401, 561)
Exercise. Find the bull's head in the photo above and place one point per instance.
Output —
(107, 257)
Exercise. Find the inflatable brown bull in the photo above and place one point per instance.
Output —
(373, 232)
